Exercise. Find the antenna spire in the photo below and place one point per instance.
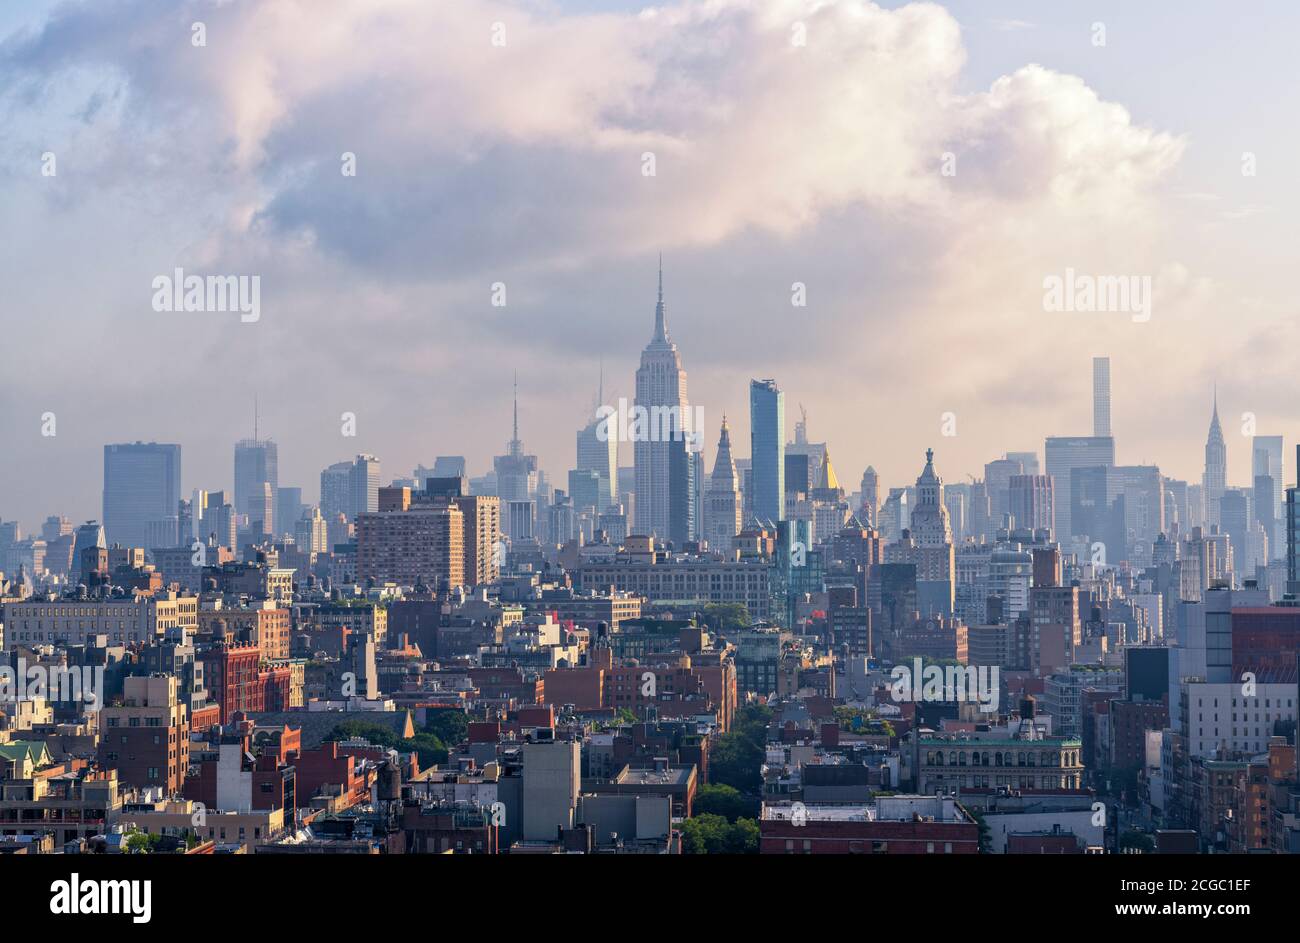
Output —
(661, 322)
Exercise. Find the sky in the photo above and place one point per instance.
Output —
(1164, 151)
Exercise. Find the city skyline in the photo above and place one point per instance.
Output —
(1117, 180)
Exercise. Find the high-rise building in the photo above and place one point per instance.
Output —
(660, 391)
(412, 544)
(1031, 501)
(928, 544)
(997, 479)
(336, 490)
(350, 488)
(723, 507)
(288, 509)
(142, 486)
(310, 532)
(256, 461)
(1064, 454)
(598, 452)
(1215, 479)
(767, 450)
(517, 477)
(870, 500)
(1266, 461)
(1100, 397)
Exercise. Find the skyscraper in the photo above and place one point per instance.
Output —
(601, 457)
(660, 386)
(1100, 397)
(767, 449)
(516, 472)
(1215, 479)
(256, 461)
(870, 499)
(1266, 461)
(142, 487)
(1031, 501)
(723, 505)
(350, 488)
(1064, 454)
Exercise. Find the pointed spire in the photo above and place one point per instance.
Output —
(515, 444)
(661, 321)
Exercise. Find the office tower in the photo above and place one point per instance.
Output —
(1142, 487)
(446, 466)
(365, 484)
(1293, 536)
(767, 450)
(336, 490)
(142, 484)
(310, 532)
(1215, 479)
(1063, 454)
(661, 392)
(682, 467)
(978, 513)
(870, 499)
(350, 488)
(260, 510)
(1028, 462)
(1031, 501)
(954, 499)
(288, 509)
(601, 457)
(723, 506)
(1100, 397)
(1096, 516)
(1177, 512)
(997, 479)
(55, 527)
(1235, 521)
(256, 461)
(519, 519)
(1266, 460)
(584, 488)
(517, 478)
(219, 521)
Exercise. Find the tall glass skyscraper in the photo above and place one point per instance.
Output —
(142, 490)
(767, 449)
(256, 463)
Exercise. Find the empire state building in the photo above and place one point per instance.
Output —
(660, 383)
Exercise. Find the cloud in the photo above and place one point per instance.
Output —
(775, 161)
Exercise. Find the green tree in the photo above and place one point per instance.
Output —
(724, 617)
(721, 799)
(714, 835)
(737, 757)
